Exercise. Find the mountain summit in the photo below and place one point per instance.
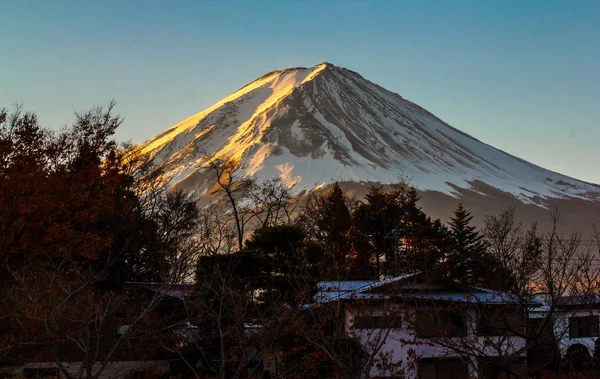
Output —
(313, 126)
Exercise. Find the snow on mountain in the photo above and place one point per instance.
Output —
(313, 126)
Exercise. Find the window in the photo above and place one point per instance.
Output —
(583, 327)
(443, 323)
(368, 321)
(443, 369)
(500, 323)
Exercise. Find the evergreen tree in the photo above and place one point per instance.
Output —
(326, 221)
(273, 261)
(286, 247)
(424, 240)
(335, 221)
(468, 259)
(400, 235)
(376, 217)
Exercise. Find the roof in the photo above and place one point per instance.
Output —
(579, 300)
(544, 301)
(343, 285)
(476, 297)
(348, 289)
(330, 291)
(173, 290)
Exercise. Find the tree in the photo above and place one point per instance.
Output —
(232, 332)
(376, 217)
(243, 299)
(274, 262)
(233, 188)
(70, 222)
(271, 203)
(396, 236)
(540, 270)
(266, 203)
(515, 250)
(326, 219)
(468, 260)
(215, 235)
(424, 241)
(175, 223)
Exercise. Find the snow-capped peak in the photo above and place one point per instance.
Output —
(313, 126)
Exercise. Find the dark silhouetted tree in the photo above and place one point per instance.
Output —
(326, 221)
(468, 258)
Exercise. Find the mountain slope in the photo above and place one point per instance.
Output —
(313, 126)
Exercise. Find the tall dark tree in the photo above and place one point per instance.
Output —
(400, 236)
(468, 260)
(275, 272)
(377, 217)
(424, 241)
(326, 220)
(274, 261)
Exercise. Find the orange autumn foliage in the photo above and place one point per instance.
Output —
(67, 211)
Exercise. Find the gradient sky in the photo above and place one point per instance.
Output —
(523, 76)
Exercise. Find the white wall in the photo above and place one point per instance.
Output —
(561, 328)
(400, 341)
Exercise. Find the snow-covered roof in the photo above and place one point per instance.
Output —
(361, 290)
(343, 285)
(471, 297)
(344, 290)
(579, 300)
(544, 301)
(173, 290)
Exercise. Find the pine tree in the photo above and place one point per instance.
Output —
(326, 221)
(337, 218)
(393, 226)
(424, 240)
(468, 259)
(376, 218)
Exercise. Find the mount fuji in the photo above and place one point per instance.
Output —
(315, 126)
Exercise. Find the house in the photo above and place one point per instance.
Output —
(417, 328)
(575, 321)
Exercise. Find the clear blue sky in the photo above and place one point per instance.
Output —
(523, 76)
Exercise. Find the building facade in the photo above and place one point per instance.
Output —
(414, 328)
